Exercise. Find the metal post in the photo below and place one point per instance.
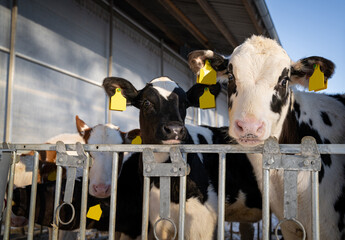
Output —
(110, 59)
(33, 198)
(182, 210)
(84, 197)
(114, 177)
(146, 200)
(266, 204)
(11, 71)
(315, 205)
(9, 196)
(221, 196)
(57, 200)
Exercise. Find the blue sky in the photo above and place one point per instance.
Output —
(306, 28)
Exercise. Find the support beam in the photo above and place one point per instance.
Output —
(156, 21)
(184, 20)
(218, 22)
(253, 18)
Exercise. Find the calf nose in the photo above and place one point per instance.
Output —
(174, 131)
(249, 127)
(101, 190)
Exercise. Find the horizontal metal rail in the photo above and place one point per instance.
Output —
(185, 148)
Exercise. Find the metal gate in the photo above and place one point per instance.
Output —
(291, 158)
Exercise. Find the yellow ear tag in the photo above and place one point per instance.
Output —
(207, 100)
(317, 80)
(52, 176)
(207, 75)
(117, 102)
(95, 212)
(137, 140)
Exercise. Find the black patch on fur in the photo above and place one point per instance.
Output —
(326, 158)
(326, 119)
(282, 92)
(297, 109)
(232, 88)
(310, 122)
(339, 97)
(339, 207)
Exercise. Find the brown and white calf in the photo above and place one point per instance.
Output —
(262, 104)
(163, 104)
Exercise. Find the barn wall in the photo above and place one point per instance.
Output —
(73, 36)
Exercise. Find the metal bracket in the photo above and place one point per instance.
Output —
(177, 168)
(308, 160)
(71, 163)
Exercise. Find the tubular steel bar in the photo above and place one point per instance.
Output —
(315, 205)
(112, 217)
(33, 198)
(84, 196)
(182, 210)
(9, 196)
(146, 200)
(11, 71)
(57, 200)
(266, 205)
(221, 195)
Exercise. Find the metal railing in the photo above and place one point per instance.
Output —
(306, 158)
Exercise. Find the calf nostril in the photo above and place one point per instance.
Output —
(167, 129)
(239, 125)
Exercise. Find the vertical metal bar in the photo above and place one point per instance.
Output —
(146, 200)
(182, 210)
(164, 210)
(57, 200)
(113, 200)
(221, 196)
(33, 198)
(266, 204)
(84, 197)
(11, 71)
(10, 197)
(110, 59)
(315, 205)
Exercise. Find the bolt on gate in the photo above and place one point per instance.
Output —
(291, 158)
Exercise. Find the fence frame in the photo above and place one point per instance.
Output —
(220, 149)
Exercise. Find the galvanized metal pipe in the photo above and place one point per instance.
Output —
(110, 58)
(33, 198)
(11, 72)
(221, 195)
(146, 206)
(113, 200)
(182, 203)
(9, 196)
(265, 204)
(84, 197)
(57, 200)
(315, 205)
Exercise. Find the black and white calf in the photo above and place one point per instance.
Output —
(262, 104)
(163, 106)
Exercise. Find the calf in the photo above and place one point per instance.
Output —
(262, 104)
(163, 105)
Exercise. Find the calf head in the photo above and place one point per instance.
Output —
(162, 104)
(259, 73)
(101, 169)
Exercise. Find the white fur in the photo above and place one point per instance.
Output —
(257, 64)
(200, 219)
(101, 170)
(164, 86)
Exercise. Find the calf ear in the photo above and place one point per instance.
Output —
(83, 129)
(196, 61)
(195, 92)
(304, 68)
(127, 89)
(129, 136)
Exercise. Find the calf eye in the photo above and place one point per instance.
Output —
(284, 82)
(147, 103)
(231, 77)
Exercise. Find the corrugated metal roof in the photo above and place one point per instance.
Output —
(186, 25)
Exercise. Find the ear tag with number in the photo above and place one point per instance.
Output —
(95, 212)
(117, 101)
(317, 80)
(207, 100)
(207, 75)
(137, 140)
